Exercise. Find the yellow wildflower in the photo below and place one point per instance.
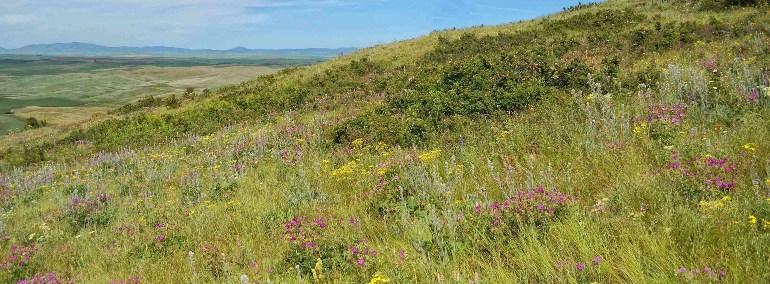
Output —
(377, 278)
(429, 156)
(750, 147)
(727, 198)
(711, 205)
(640, 127)
(765, 224)
(752, 220)
(318, 274)
(345, 171)
(358, 142)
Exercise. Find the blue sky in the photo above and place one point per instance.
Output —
(222, 24)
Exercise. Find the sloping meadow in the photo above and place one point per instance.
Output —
(614, 143)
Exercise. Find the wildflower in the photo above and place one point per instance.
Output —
(597, 259)
(318, 274)
(429, 156)
(681, 270)
(726, 198)
(750, 147)
(711, 205)
(377, 279)
(752, 220)
(581, 266)
(361, 262)
(765, 224)
(401, 255)
(459, 217)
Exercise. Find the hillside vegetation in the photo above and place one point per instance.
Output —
(621, 142)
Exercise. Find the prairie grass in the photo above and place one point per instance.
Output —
(652, 172)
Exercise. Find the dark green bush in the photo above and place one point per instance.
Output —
(33, 123)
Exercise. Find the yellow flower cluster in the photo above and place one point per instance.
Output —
(429, 156)
(715, 204)
(318, 274)
(711, 205)
(502, 136)
(377, 278)
(360, 147)
(750, 146)
(456, 169)
(640, 127)
(345, 171)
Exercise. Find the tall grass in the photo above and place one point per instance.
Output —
(651, 174)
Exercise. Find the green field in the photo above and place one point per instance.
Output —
(51, 81)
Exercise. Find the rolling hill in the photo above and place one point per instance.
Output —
(619, 142)
(79, 48)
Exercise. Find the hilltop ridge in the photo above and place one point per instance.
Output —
(79, 48)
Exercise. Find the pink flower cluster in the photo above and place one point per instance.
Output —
(361, 252)
(88, 205)
(19, 256)
(714, 173)
(750, 98)
(673, 113)
(707, 272)
(529, 205)
(45, 278)
(710, 65)
(306, 232)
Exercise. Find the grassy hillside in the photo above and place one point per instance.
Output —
(620, 142)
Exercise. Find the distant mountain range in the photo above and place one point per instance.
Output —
(79, 48)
